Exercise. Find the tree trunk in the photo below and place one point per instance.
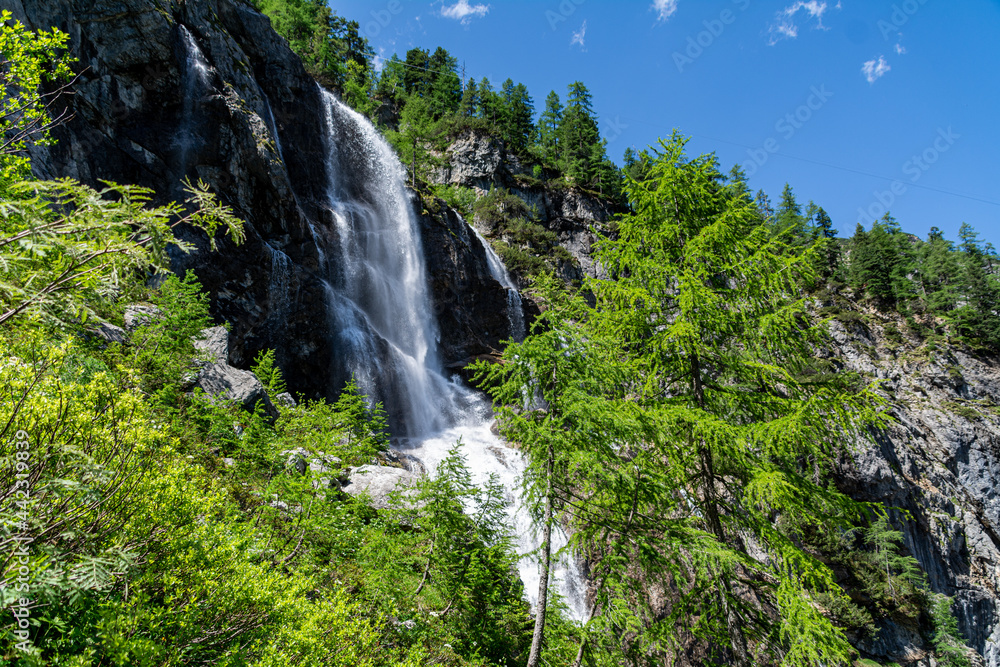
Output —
(535, 657)
(738, 641)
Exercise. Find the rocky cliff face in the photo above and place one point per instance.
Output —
(207, 90)
(936, 470)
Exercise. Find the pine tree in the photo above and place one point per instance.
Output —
(417, 77)
(445, 86)
(939, 273)
(470, 100)
(874, 263)
(578, 135)
(823, 231)
(789, 220)
(978, 321)
(548, 129)
(764, 207)
(489, 102)
(517, 111)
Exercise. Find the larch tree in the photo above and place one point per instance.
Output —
(678, 427)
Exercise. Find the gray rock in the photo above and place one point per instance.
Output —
(139, 316)
(110, 333)
(285, 399)
(215, 344)
(233, 384)
(217, 378)
(378, 482)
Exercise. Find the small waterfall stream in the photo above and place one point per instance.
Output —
(385, 333)
(196, 77)
(515, 308)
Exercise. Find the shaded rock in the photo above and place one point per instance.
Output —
(110, 333)
(218, 378)
(139, 316)
(215, 344)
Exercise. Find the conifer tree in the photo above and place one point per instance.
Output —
(548, 129)
(517, 112)
(823, 231)
(669, 425)
(978, 320)
(470, 99)
(445, 85)
(939, 273)
(489, 102)
(578, 135)
(789, 220)
(764, 207)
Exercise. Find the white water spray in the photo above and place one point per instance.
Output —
(385, 332)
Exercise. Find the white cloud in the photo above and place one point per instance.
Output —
(900, 50)
(664, 8)
(875, 69)
(580, 37)
(463, 11)
(786, 24)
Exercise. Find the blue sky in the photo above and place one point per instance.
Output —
(859, 104)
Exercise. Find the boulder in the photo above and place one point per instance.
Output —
(378, 482)
(218, 379)
(109, 333)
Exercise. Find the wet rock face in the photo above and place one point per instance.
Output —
(471, 306)
(940, 462)
(206, 90)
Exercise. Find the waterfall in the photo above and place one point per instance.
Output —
(273, 126)
(196, 76)
(384, 331)
(515, 308)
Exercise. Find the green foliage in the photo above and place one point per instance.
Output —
(948, 645)
(671, 427)
(27, 60)
(267, 371)
(67, 249)
(331, 47)
(458, 197)
(526, 247)
(162, 347)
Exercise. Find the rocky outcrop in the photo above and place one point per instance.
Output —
(479, 161)
(217, 378)
(937, 471)
(207, 90)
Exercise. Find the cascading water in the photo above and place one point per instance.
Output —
(515, 308)
(196, 76)
(385, 333)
